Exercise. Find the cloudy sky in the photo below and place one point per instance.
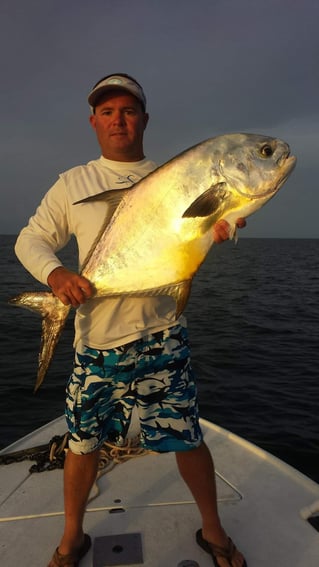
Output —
(207, 66)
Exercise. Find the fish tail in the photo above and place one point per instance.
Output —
(54, 315)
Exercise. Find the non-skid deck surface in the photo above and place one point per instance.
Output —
(260, 505)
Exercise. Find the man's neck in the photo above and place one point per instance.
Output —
(123, 157)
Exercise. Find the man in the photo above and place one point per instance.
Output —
(118, 329)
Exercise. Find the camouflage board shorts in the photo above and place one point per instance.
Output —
(152, 373)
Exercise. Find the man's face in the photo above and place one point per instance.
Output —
(119, 122)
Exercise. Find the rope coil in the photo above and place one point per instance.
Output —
(52, 455)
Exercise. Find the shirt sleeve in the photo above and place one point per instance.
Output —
(47, 232)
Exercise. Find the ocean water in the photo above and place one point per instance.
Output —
(253, 321)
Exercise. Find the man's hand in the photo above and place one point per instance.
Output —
(221, 229)
(69, 287)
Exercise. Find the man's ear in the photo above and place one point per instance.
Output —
(146, 119)
(92, 120)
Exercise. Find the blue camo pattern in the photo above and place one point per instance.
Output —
(153, 373)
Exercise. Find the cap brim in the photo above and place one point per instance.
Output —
(98, 93)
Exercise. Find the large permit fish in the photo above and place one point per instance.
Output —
(161, 230)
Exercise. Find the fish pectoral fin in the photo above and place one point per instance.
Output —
(208, 202)
(54, 315)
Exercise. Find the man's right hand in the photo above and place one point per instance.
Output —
(69, 287)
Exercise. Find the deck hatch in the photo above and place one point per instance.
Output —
(119, 549)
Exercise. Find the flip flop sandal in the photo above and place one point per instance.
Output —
(216, 550)
(72, 558)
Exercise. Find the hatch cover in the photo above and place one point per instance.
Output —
(119, 549)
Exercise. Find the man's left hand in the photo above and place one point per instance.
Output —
(222, 227)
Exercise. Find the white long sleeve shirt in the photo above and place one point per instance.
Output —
(103, 322)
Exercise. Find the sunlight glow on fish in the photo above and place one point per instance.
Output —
(161, 230)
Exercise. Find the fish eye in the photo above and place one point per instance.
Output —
(266, 150)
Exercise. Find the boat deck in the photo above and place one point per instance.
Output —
(261, 500)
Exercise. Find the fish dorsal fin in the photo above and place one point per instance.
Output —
(112, 196)
(207, 203)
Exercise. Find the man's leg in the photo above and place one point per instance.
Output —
(197, 469)
(79, 475)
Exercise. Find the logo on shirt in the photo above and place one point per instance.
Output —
(132, 179)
